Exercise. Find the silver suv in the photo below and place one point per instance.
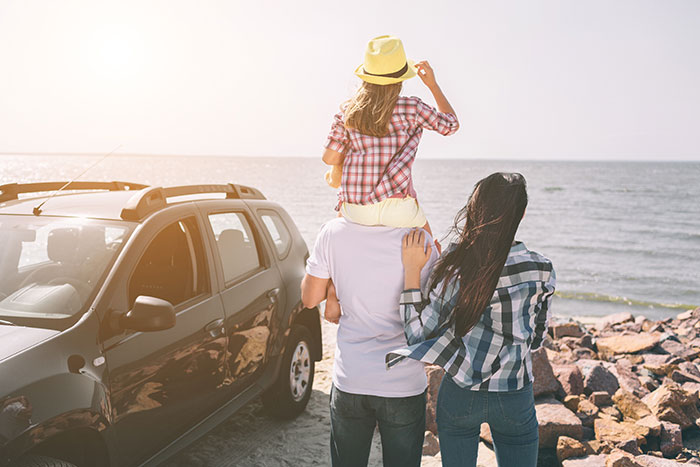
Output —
(133, 319)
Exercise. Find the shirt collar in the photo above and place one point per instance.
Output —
(518, 248)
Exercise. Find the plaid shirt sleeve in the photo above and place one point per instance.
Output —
(543, 314)
(430, 118)
(338, 138)
(423, 319)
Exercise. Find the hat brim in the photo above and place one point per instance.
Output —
(410, 73)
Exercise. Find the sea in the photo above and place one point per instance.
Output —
(623, 236)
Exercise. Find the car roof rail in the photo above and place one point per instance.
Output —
(11, 191)
(151, 199)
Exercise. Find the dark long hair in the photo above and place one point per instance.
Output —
(486, 228)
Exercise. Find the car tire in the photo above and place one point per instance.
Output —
(41, 461)
(290, 394)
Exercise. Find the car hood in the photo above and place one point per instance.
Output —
(17, 338)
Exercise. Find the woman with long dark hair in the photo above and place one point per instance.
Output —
(485, 310)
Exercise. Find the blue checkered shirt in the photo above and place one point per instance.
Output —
(495, 354)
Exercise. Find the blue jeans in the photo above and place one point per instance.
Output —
(510, 415)
(401, 423)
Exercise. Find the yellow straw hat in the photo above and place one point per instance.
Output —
(385, 62)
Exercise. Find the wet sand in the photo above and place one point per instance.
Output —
(252, 438)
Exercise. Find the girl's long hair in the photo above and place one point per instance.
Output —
(371, 108)
(486, 228)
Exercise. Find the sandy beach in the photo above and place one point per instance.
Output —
(252, 438)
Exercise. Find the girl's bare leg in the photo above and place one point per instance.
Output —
(332, 312)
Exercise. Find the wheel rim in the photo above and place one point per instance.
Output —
(300, 371)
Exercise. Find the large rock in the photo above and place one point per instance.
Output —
(627, 378)
(597, 460)
(434, 374)
(544, 380)
(597, 378)
(626, 344)
(693, 389)
(617, 318)
(679, 350)
(680, 376)
(671, 439)
(613, 432)
(555, 420)
(671, 403)
(690, 368)
(653, 461)
(566, 330)
(690, 314)
(630, 405)
(620, 458)
(600, 398)
(570, 378)
(587, 412)
(660, 365)
(569, 447)
(652, 423)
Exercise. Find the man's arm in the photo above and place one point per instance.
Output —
(313, 290)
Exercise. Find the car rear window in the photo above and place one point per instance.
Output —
(236, 244)
(278, 231)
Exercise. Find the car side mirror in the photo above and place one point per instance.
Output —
(148, 314)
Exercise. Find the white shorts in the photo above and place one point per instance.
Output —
(391, 212)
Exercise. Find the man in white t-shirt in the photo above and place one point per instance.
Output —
(365, 266)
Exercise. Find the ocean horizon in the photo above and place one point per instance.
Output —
(623, 235)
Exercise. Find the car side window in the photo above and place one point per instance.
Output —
(173, 267)
(236, 244)
(278, 231)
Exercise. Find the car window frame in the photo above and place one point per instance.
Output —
(260, 213)
(263, 258)
(192, 301)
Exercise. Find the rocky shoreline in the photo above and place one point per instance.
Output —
(622, 392)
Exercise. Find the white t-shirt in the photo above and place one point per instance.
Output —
(365, 266)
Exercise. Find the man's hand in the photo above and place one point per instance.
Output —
(415, 254)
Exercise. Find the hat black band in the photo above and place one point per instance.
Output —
(396, 74)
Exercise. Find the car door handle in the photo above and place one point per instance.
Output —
(215, 328)
(273, 295)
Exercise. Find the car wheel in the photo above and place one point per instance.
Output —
(41, 461)
(288, 397)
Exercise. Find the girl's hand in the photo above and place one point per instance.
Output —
(426, 74)
(415, 253)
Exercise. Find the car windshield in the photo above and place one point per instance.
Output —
(51, 267)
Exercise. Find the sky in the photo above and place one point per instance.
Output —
(529, 79)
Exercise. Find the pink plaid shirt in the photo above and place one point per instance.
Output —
(366, 156)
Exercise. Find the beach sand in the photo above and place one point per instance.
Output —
(252, 438)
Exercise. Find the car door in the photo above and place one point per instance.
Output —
(252, 293)
(163, 382)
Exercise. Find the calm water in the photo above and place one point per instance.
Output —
(622, 236)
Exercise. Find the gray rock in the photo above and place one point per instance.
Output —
(617, 318)
(556, 420)
(566, 329)
(627, 378)
(671, 439)
(600, 379)
(570, 378)
(544, 380)
(679, 350)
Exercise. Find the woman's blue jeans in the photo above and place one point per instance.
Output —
(510, 415)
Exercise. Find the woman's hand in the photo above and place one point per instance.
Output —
(426, 74)
(415, 254)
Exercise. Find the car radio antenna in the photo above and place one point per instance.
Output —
(37, 210)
